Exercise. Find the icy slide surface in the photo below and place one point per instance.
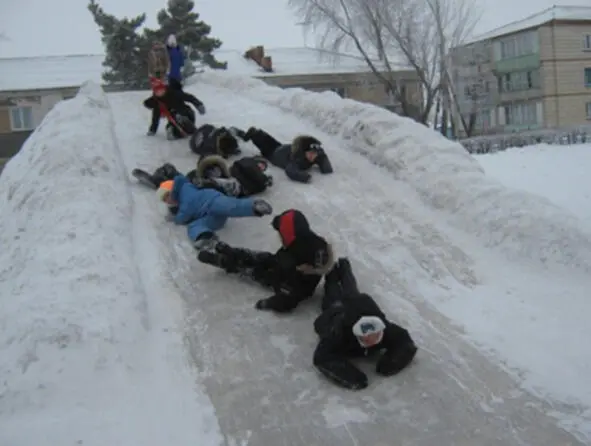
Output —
(99, 294)
(257, 366)
(524, 299)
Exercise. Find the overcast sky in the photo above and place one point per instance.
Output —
(46, 27)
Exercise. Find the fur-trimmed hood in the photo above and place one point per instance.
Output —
(320, 270)
(212, 160)
(303, 143)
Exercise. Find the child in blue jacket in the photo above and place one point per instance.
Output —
(205, 211)
(177, 61)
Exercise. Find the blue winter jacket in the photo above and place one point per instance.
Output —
(177, 61)
(206, 210)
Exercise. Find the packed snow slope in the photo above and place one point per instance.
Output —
(92, 264)
(90, 349)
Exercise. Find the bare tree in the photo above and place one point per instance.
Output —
(395, 34)
(472, 86)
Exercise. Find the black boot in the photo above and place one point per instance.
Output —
(333, 290)
(249, 133)
(205, 242)
(347, 277)
(217, 260)
(242, 257)
(164, 173)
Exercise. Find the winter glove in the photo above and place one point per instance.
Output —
(231, 186)
(150, 133)
(261, 207)
(262, 304)
(237, 133)
(280, 303)
(395, 360)
(269, 181)
(344, 374)
(201, 109)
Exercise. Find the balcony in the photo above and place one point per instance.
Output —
(519, 95)
(522, 63)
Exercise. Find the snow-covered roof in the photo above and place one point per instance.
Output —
(577, 13)
(71, 71)
(294, 61)
(30, 73)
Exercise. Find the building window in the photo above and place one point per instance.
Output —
(523, 80)
(339, 90)
(516, 46)
(587, 43)
(588, 77)
(588, 105)
(521, 114)
(21, 118)
(508, 49)
(483, 119)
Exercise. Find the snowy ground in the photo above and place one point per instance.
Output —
(560, 173)
(119, 327)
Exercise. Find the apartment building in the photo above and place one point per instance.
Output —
(531, 74)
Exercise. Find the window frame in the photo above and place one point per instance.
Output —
(521, 114)
(588, 110)
(587, 77)
(587, 42)
(20, 109)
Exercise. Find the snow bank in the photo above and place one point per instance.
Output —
(77, 364)
(443, 173)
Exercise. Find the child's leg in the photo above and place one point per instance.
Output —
(263, 141)
(224, 206)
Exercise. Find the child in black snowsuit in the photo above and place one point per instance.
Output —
(211, 140)
(352, 325)
(173, 105)
(295, 158)
(293, 272)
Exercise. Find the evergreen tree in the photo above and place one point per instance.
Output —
(126, 51)
(192, 34)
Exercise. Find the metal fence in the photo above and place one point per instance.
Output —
(495, 143)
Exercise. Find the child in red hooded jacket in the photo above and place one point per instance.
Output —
(293, 272)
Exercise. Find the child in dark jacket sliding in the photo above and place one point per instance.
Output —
(295, 158)
(293, 272)
(352, 325)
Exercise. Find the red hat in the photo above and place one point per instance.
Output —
(158, 86)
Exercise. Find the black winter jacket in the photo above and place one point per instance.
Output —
(337, 343)
(211, 140)
(292, 158)
(175, 101)
(299, 264)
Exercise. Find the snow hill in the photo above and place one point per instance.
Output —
(112, 333)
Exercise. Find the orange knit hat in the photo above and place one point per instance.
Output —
(165, 189)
